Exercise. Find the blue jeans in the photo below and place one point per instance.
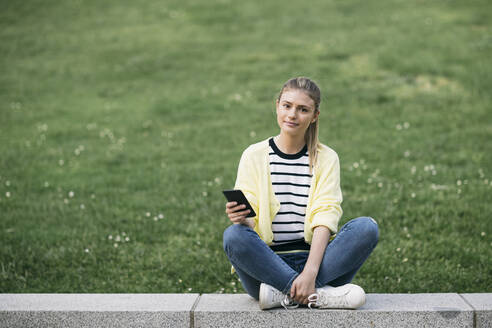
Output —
(255, 262)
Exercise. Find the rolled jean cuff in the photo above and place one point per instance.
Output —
(289, 284)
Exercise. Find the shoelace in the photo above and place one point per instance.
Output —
(321, 299)
(288, 303)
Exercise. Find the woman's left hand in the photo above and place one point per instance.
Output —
(302, 287)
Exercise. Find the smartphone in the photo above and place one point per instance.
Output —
(236, 195)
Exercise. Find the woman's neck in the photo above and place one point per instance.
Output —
(288, 144)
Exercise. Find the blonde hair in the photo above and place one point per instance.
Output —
(311, 136)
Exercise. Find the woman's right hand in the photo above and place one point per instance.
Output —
(236, 214)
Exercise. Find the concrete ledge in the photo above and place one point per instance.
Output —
(238, 310)
(482, 304)
(96, 310)
(380, 310)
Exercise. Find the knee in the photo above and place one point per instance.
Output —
(232, 236)
(368, 228)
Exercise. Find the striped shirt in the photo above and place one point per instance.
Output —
(290, 181)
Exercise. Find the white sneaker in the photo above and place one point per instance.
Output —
(348, 296)
(271, 297)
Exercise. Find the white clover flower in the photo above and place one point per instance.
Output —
(110, 237)
(398, 127)
(7, 183)
(155, 218)
(406, 125)
(127, 238)
(398, 249)
(161, 216)
(380, 184)
(483, 234)
(115, 245)
(93, 196)
(61, 162)
(46, 184)
(65, 201)
(7, 194)
(405, 260)
(71, 194)
(204, 193)
(406, 153)
(413, 195)
(118, 238)
(82, 206)
(356, 165)
(369, 180)
(218, 180)
(190, 289)
(252, 134)
(86, 250)
(147, 214)
(123, 233)
(458, 183)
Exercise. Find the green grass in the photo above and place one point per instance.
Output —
(143, 107)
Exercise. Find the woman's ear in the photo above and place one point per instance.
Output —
(316, 114)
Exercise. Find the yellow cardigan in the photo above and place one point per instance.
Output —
(325, 196)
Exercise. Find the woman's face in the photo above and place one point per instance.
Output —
(295, 112)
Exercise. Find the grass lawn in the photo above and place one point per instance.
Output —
(122, 121)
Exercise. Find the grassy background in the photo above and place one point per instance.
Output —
(122, 121)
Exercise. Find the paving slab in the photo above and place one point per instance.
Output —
(380, 310)
(96, 310)
(482, 303)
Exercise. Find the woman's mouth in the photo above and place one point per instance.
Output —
(291, 124)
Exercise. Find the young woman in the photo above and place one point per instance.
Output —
(291, 252)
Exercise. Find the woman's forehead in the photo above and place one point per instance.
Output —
(297, 97)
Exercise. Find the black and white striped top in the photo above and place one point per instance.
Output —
(290, 181)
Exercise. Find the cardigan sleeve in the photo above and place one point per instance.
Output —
(247, 182)
(326, 209)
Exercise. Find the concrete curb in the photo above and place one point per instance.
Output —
(238, 310)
